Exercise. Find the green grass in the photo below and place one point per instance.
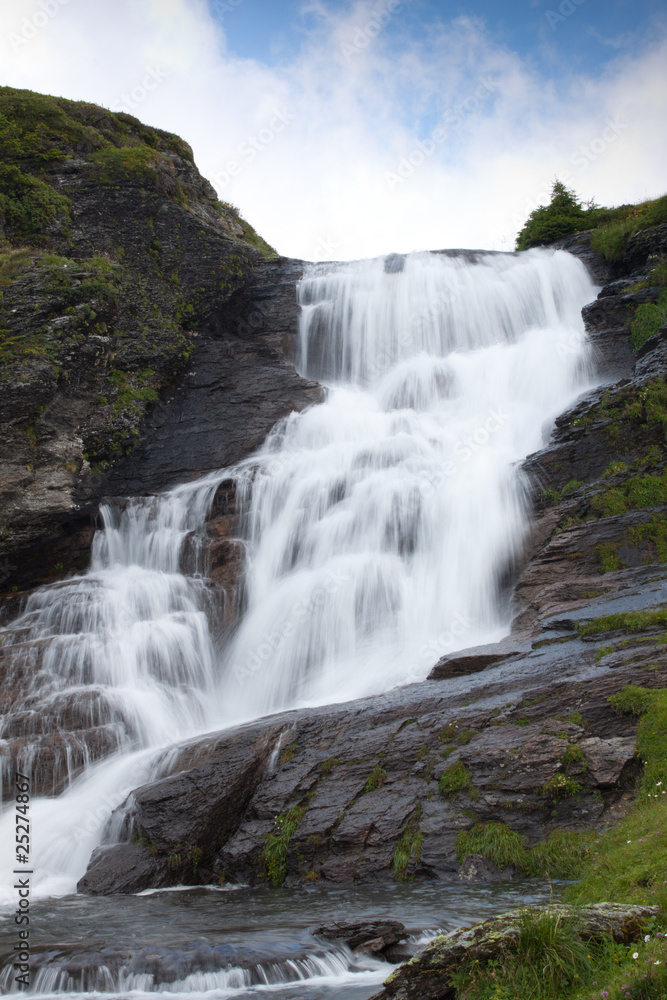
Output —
(456, 778)
(610, 560)
(27, 204)
(408, 848)
(574, 755)
(328, 765)
(274, 856)
(648, 319)
(636, 493)
(548, 960)
(625, 864)
(375, 779)
(614, 232)
(624, 621)
(562, 856)
(655, 532)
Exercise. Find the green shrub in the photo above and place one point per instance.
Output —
(561, 787)
(561, 217)
(27, 204)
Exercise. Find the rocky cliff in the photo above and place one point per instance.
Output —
(117, 261)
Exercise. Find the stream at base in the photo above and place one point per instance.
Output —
(237, 942)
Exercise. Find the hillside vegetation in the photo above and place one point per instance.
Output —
(612, 227)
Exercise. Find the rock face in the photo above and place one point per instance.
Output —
(428, 976)
(116, 264)
(380, 790)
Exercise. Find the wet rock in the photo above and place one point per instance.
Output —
(428, 976)
(122, 868)
(366, 784)
(373, 936)
(455, 665)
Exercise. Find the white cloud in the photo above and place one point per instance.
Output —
(314, 140)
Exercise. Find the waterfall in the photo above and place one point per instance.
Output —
(382, 522)
(380, 526)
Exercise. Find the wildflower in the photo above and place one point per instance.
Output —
(658, 783)
(647, 938)
(604, 993)
(635, 955)
(658, 962)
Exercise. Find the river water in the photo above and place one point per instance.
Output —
(379, 528)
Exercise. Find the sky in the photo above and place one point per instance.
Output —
(353, 128)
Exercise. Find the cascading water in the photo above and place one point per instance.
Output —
(118, 661)
(382, 521)
(379, 527)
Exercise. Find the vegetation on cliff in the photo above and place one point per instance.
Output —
(613, 227)
(114, 254)
(627, 864)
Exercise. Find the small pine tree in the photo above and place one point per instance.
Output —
(563, 215)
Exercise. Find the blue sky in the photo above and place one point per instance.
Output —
(349, 128)
(272, 31)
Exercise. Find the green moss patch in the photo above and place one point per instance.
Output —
(27, 204)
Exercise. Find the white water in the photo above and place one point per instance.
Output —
(379, 524)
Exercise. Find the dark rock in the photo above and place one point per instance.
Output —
(221, 777)
(579, 245)
(643, 245)
(122, 868)
(130, 322)
(607, 322)
(394, 263)
(455, 665)
(220, 412)
(346, 833)
(374, 936)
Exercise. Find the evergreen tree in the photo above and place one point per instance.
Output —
(563, 215)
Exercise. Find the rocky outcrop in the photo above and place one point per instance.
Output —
(381, 938)
(429, 975)
(117, 261)
(381, 789)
